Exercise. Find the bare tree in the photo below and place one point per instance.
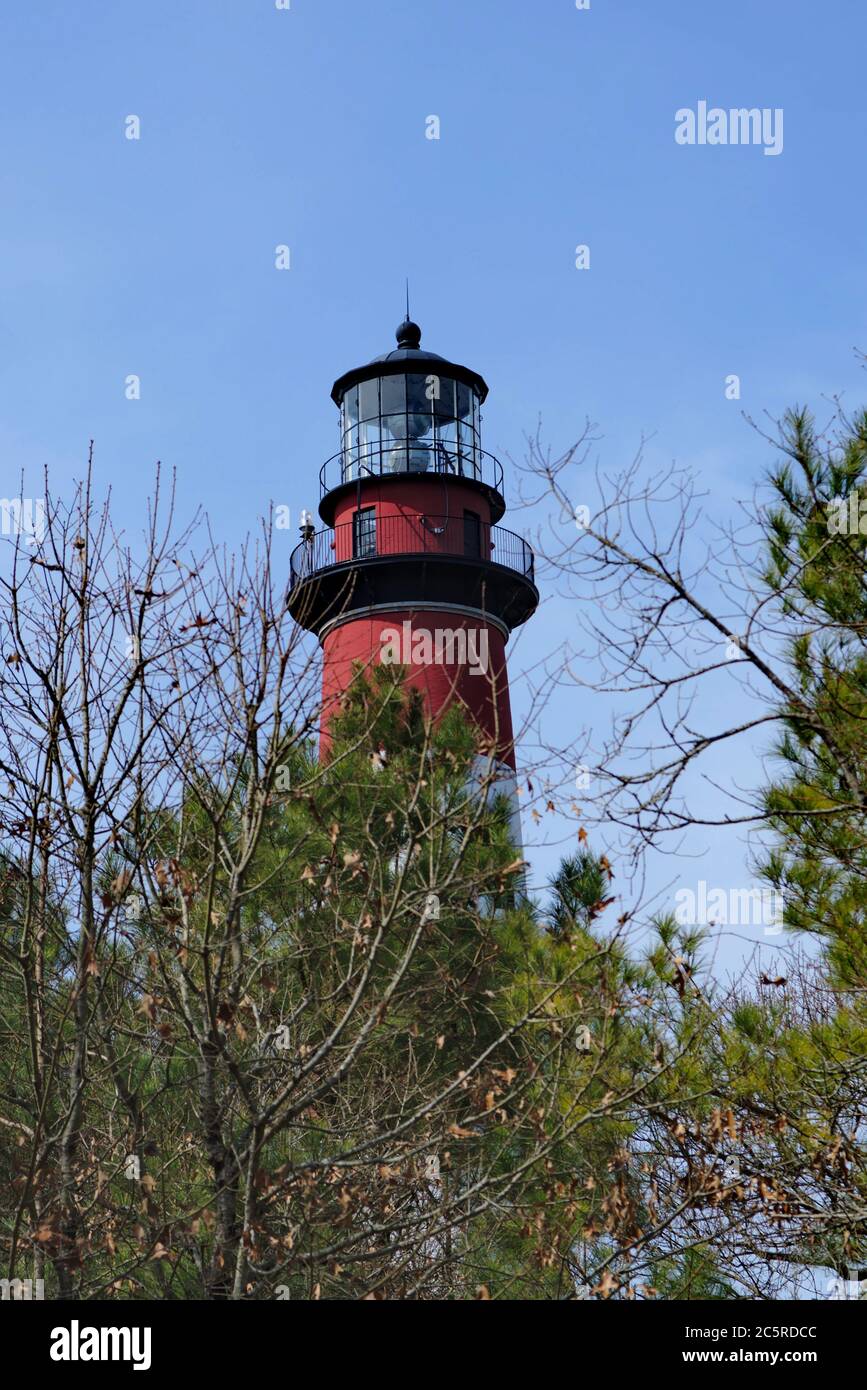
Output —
(708, 636)
(279, 1027)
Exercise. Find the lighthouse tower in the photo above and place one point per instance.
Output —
(412, 567)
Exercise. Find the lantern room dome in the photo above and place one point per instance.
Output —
(410, 411)
(408, 357)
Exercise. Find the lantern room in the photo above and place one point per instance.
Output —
(410, 412)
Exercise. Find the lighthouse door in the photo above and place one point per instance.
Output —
(472, 534)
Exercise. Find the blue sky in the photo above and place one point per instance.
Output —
(306, 127)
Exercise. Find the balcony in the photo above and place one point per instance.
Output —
(406, 560)
(381, 458)
(393, 537)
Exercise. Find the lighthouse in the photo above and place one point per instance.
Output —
(412, 568)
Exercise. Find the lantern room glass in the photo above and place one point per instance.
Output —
(410, 423)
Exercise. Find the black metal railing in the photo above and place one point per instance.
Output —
(406, 534)
(411, 456)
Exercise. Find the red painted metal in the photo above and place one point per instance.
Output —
(484, 694)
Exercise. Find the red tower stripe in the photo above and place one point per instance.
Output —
(449, 656)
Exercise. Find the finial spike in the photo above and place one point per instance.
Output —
(407, 299)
